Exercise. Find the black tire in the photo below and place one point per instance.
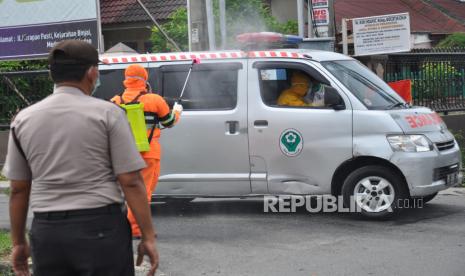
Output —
(424, 199)
(371, 174)
(428, 198)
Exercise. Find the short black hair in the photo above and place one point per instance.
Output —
(69, 60)
(68, 72)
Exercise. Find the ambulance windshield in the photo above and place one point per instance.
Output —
(374, 93)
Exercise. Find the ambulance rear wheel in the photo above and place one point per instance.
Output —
(375, 191)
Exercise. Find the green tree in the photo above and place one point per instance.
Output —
(455, 40)
(33, 87)
(176, 28)
(439, 80)
(23, 65)
(241, 17)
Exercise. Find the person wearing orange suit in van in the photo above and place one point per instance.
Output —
(295, 95)
(156, 111)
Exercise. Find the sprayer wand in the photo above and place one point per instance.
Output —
(194, 61)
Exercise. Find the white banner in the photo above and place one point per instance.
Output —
(29, 28)
(381, 34)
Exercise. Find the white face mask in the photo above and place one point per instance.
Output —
(96, 86)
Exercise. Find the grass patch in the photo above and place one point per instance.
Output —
(5, 245)
(6, 191)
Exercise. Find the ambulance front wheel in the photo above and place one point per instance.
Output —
(374, 191)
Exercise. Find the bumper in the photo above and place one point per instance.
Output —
(420, 170)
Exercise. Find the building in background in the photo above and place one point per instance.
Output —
(430, 20)
(125, 21)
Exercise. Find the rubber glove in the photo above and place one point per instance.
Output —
(177, 107)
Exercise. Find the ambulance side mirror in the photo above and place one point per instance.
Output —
(333, 99)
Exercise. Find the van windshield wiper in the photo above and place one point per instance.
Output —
(392, 106)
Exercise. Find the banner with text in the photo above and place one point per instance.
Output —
(30, 28)
(381, 34)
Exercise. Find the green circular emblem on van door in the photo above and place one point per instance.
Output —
(291, 142)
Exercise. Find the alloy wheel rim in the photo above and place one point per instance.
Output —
(374, 194)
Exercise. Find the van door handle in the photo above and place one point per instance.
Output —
(232, 127)
(261, 123)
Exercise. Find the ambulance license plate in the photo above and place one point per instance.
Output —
(452, 178)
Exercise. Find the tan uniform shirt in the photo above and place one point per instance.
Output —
(75, 147)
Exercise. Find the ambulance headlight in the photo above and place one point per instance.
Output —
(410, 143)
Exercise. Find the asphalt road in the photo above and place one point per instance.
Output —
(235, 237)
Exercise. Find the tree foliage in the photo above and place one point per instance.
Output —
(455, 40)
(241, 16)
(23, 65)
(176, 28)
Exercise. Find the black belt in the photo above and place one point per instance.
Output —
(109, 209)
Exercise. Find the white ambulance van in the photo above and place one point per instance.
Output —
(362, 141)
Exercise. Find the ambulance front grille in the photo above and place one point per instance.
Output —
(445, 145)
(441, 173)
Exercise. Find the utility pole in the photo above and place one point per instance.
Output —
(345, 46)
(210, 25)
(198, 25)
(310, 19)
(331, 27)
(300, 17)
(222, 5)
(189, 26)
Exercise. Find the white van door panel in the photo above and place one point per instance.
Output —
(206, 153)
(301, 147)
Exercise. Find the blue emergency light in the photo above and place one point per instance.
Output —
(268, 40)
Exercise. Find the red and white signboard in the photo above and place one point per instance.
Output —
(319, 4)
(321, 16)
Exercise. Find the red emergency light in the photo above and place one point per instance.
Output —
(268, 40)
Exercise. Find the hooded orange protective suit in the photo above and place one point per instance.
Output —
(294, 96)
(135, 83)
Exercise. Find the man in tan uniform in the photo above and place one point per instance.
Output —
(71, 158)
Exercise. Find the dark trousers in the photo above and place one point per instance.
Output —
(83, 242)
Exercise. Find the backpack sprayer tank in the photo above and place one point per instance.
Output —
(136, 118)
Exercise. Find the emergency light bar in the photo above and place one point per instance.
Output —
(268, 40)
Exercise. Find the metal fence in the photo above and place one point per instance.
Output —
(438, 77)
(19, 90)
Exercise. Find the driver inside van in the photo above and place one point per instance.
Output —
(295, 95)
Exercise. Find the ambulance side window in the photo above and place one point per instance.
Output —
(210, 87)
(111, 83)
(291, 87)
